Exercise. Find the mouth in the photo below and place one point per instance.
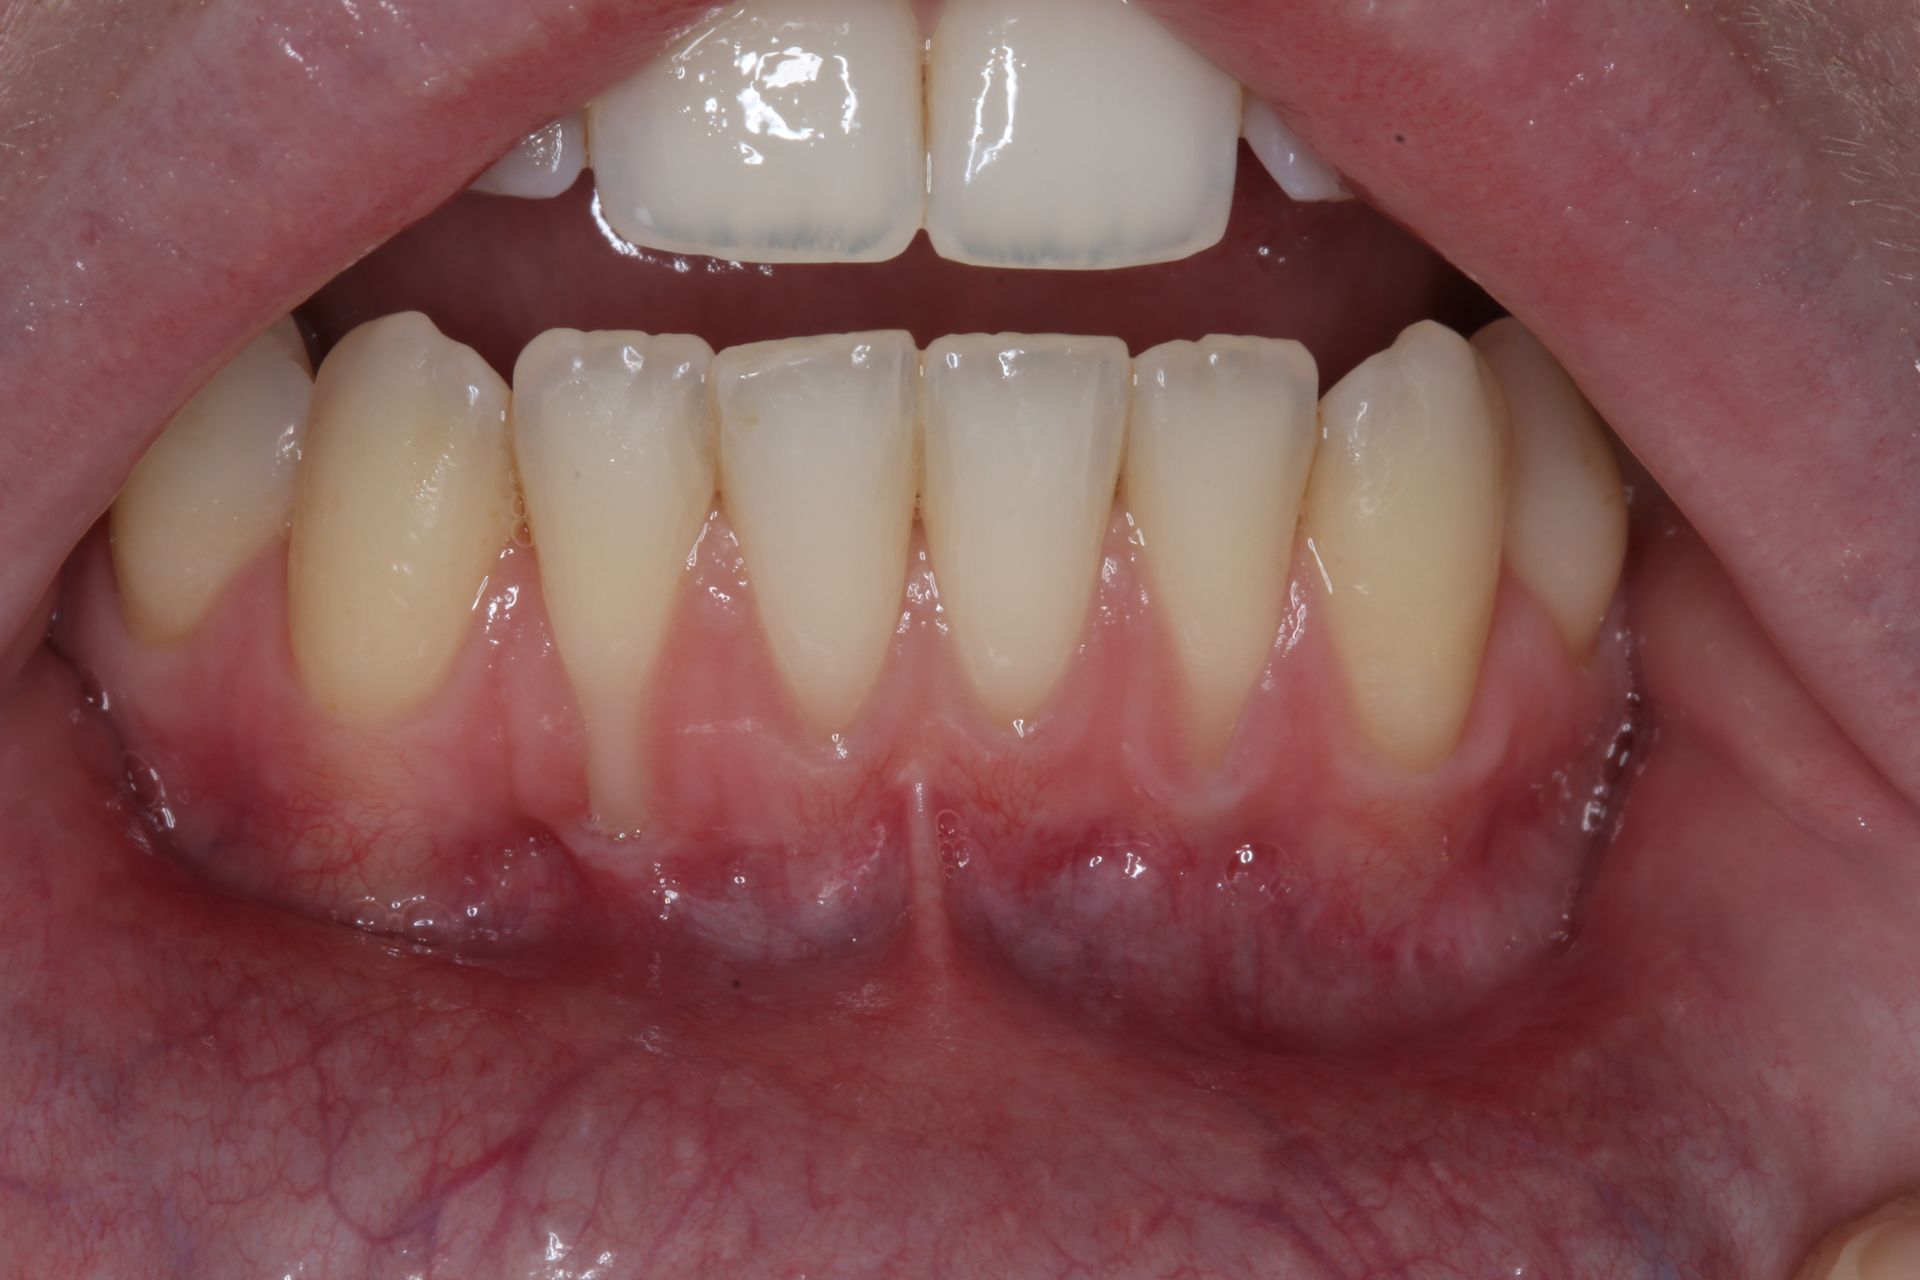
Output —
(880, 656)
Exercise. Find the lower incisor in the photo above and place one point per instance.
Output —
(818, 446)
(1219, 444)
(617, 466)
(1023, 446)
(817, 468)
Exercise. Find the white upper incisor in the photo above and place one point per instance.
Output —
(1075, 134)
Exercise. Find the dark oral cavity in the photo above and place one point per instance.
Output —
(1337, 277)
(1683, 1095)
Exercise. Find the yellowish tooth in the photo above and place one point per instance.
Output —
(1023, 441)
(817, 472)
(404, 502)
(616, 461)
(1219, 444)
(1567, 510)
(215, 489)
(1404, 514)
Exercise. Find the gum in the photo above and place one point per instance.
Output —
(1304, 892)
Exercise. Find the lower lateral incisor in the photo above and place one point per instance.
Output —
(1219, 444)
(617, 466)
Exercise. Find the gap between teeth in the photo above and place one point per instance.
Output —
(1409, 483)
(831, 131)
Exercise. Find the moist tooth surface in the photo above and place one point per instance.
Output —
(1566, 509)
(405, 500)
(1303, 175)
(541, 165)
(214, 489)
(1219, 443)
(817, 467)
(1042, 155)
(615, 450)
(1404, 517)
(1023, 445)
(781, 131)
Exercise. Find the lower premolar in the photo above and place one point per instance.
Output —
(753, 733)
(405, 495)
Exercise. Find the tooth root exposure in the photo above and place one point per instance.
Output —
(1409, 485)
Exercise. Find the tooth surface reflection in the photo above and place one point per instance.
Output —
(541, 165)
(216, 487)
(817, 471)
(782, 131)
(1567, 513)
(1023, 441)
(1075, 133)
(1404, 516)
(1219, 443)
(1300, 173)
(404, 502)
(616, 461)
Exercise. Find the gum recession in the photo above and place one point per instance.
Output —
(1537, 148)
(1718, 1085)
(1373, 902)
(1543, 191)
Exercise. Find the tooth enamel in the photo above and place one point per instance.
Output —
(1075, 133)
(1404, 513)
(616, 463)
(1567, 513)
(1219, 444)
(215, 489)
(286, 333)
(404, 501)
(817, 472)
(1023, 441)
(783, 131)
(1304, 176)
(541, 165)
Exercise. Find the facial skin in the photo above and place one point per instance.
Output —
(1707, 212)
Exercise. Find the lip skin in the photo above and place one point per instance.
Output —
(1735, 1021)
